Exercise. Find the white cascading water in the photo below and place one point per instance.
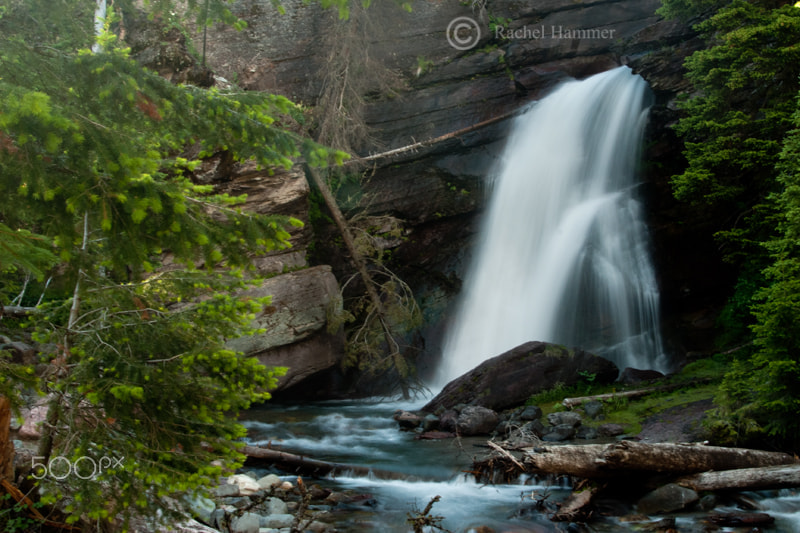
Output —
(563, 253)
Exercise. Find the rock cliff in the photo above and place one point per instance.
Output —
(417, 86)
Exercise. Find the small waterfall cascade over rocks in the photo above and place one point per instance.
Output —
(563, 253)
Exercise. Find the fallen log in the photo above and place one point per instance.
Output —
(569, 403)
(638, 393)
(579, 460)
(306, 466)
(768, 477)
(685, 458)
(412, 148)
(601, 461)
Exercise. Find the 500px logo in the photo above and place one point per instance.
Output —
(59, 467)
(463, 33)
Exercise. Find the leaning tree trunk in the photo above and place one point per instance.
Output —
(361, 267)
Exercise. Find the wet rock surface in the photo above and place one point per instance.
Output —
(509, 379)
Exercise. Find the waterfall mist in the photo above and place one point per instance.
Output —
(563, 252)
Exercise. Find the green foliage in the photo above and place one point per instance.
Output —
(94, 176)
(759, 397)
(14, 516)
(688, 9)
(14, 378)
(153, 386)
(737, 318)
(742, 173)
(736, 119)
(368, 345)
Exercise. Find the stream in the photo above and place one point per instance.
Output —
(362, 432)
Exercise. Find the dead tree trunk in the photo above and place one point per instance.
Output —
(430, 142)
(768, 477)
(601, 461)
(361, 267)
(686, 458)
(6, 446)
(568, 460)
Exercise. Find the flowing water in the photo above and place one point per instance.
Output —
(563, 253)
(363, 433)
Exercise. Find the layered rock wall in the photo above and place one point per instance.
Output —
(523, 50)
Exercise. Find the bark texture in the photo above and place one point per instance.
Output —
(768, 477)
(6, 446)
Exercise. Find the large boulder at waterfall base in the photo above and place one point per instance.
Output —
(509, 379)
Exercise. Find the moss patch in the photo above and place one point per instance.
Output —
(698, 381)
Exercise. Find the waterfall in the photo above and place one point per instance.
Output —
(563, 252)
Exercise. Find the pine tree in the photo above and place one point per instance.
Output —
(93, 171)
(741, 143)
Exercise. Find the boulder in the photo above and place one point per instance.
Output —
(560, 433)
(295, 322)
(430, 423)
(508, 380)
(276, 506)
(667, 499)
(247, 523)
(226, 490)
(476, 420)
(611, 430)
(567, 418)
(448, 420)
(269, 481)
(530, 412)
(277, 521)
(201, 507)
(593, 409)
(407, 420)
(34, 417)
(274, 192)
(21, 353)
(246, 484)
